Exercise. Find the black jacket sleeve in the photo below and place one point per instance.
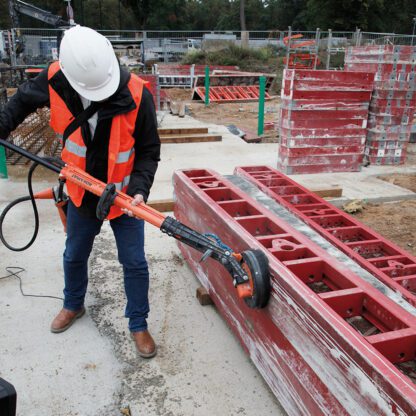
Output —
(147, 148)
(30, 96)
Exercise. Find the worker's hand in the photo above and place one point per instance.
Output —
(137, 200)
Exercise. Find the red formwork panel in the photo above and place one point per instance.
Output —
(395, 94)
(338, 86)
(285, 151)
(322, 105)
(376, 134)
(152, 85)
(404, 129)
(386, 144)
(359, 96)
(408, 109)
(389, 105)
(392, 105)
(303, 343)
(305, 114)
(388, 58)
(389, 263)
(395, 85)
(318, 104)
(384, 71)
(387, 160)
(334, 78)
(380, 49)
(312, 159)
(322, 141)
(321, 132)
(386, 153)
(323, 123)
(313, 168)
(231, 93)
(320, 80)
(389, 119)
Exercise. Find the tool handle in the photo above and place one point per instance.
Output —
(122, 200)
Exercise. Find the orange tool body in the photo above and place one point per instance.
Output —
(122, 200)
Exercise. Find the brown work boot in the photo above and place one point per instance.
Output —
(145, 345)
(65, 319)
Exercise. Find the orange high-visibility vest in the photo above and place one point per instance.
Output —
(121, 146)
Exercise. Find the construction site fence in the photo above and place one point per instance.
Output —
(30, 46)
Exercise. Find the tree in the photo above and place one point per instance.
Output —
(243, 26)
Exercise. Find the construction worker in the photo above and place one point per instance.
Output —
(107, 121)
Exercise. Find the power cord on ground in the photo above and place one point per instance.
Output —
(14, 272)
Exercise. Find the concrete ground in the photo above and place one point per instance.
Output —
(92, 369)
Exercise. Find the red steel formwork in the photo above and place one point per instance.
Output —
(319, 110)
(382, 258)
(231, 94)
(154, 87)
(393, 103)
(303, 343)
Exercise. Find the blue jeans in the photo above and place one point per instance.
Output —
(129, 235)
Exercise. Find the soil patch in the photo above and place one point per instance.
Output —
(394, 220)
(242, 115)
(407, 181)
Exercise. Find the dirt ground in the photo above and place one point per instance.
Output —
(393, 220)
(242, 115)
(407, 181)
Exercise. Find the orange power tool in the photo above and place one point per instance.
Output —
(249, 269)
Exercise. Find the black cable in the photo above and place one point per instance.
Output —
(18, 201)
(15, 274)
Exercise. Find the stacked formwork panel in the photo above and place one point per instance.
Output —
(303, 342)
(393, 103)
(323, 120)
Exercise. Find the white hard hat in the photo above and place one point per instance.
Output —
(89, 63)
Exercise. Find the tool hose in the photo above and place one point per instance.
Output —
(18, 201)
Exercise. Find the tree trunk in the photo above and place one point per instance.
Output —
(242, 16)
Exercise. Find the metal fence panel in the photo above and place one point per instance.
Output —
(171, 46)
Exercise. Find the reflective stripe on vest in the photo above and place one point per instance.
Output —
(121, 185)
(75, 148)
(124, 157)
(81, 151)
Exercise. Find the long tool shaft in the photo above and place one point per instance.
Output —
(31, 156)
(122, 200)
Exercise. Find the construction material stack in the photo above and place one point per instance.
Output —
(333, 339)
(323, 120)
(393, 103)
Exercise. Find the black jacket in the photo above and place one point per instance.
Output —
(34, 94)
